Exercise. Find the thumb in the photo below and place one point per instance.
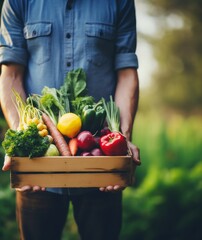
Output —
(136, 153)
(7, 163)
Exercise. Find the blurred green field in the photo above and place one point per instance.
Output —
(165, 201)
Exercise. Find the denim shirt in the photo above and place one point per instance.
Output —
(52, 37)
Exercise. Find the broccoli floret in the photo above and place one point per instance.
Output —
(26, 143)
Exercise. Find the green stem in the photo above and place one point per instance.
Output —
(112, 115)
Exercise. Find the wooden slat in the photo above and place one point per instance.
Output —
(71, 180)
(71, 164)
(72, 171)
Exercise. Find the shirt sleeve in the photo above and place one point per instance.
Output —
(126, 36)
(12, 42)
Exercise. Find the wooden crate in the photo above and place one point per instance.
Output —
(98, 171)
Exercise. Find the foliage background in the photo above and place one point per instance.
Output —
(165, 201)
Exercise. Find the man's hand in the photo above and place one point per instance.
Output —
(135, 153)
(6, 167)
(136, 157)
(7, 163)
(112, 188)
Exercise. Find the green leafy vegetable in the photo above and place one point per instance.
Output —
(74, 85)
(56, 102)
(25, 143)
(49, 102)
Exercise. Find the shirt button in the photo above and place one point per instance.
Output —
(101, 33)
(68, 35)
(34, 32)
(68, 64)
(69, 4)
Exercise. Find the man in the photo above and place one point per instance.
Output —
(40, 42)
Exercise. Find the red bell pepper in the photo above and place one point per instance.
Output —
(114, 144)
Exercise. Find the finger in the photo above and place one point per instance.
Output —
(115, 188)
(109, 188)
(135, 153)
(36, 188)
(24, 189)
(106, 189)
(29, 188)
(7, 163)
(118, 188)
(137, 161)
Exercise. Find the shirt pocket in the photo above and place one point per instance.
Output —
(38, 38)
(100, 41)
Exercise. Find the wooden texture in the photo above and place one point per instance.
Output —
(72, 171)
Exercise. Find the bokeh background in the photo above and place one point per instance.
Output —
(166, 199)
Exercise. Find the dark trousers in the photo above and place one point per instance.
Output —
(42, 215)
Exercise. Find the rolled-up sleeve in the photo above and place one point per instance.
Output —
(12, 42)
(126, 38)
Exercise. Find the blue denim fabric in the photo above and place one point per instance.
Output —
(53, 37)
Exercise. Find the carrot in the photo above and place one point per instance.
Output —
(73, 146)
(58, 138)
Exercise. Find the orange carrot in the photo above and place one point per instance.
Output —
(58, 138)
(73, 146)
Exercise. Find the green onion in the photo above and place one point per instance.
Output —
(112, 115)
